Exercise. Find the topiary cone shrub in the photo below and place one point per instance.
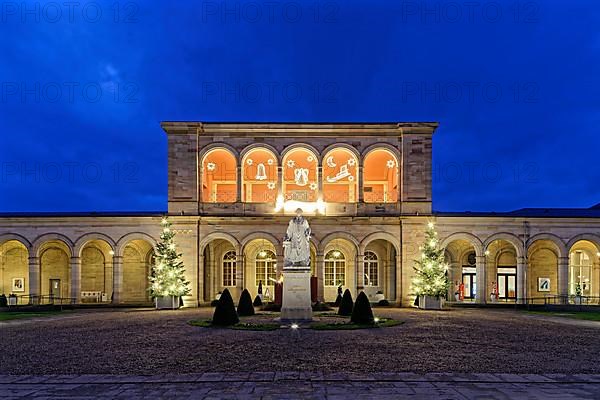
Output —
(362, 313)
(225, 314)
(346, 304)
(245, 307)
(338, 300)
(257, 301)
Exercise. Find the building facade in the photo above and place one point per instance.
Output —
(366, 190)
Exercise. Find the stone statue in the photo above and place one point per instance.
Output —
(296, 244)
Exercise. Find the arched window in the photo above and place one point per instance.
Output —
(371, 269)
(229, 268)
(259, 176)
(219, 177)
(335, 268)
(381, 177)
(580, 273)
(266, 266)
(300, 180)
(340, 177)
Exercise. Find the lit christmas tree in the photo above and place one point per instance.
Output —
(168, 272)
(430, 271)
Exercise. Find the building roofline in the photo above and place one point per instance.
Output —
(298, 128)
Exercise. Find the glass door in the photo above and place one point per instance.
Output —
(469, 278)
(507, 283)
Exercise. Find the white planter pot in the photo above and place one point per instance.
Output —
(431, 303)
(578, 300)
(167, 302)
(457, 297)
(493, 297)
(378, 297)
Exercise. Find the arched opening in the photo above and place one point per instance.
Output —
(137, 261)
(381, 177)
(300, 180)
(340, 177)
(501, 270)
(221, 270)
(339, 268)
(543, 270)
(96, 272)
(259, 176)
(462, 271)
(55, 271)
(582, 256)
(379, 271)
(219, 177)
(14, 270)
(260, 257)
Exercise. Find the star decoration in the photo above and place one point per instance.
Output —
(271, 185)
(211, 166)
(351, 162)
(391, 164)
(249, 161)
(290, 163)
(313, 186)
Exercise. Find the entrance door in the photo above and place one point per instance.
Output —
(507, 283)
(469, 278)
(54, 288)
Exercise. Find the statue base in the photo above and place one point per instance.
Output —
(296, 305)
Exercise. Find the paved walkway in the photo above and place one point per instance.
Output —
(293, 385)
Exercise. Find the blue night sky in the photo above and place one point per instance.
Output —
(514, 86)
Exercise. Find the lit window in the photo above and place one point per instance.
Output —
(371, 269)
(266, 267)
(380, 177)
(580, 269)
(335, 268)
(229, 268)
(219, 177)
(259, 176)
(340, 176)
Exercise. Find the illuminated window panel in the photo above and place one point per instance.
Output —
(259, 176)
(266, 267)
(371, 269)
(381, 177)
(340, 176)
(300, 180)
(229, 269)
(219, 177)
(335, 268)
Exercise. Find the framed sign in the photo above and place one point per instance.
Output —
(543, 284)
(18, 284)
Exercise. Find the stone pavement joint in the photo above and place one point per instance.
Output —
(302, 385)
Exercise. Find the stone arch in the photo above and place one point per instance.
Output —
(561, 248)
(266, 146)
(379, 235)
(124, 241)
(589, 237)
(219, 235)
(215, 146)
(339, 235)
(381, 145)
(346, 146)
(260, 236)
(507, 237)
(5, 237)
(307, 146)
(89, 237)
(43, 240)
(469, 237)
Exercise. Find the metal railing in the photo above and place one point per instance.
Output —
(31, 299)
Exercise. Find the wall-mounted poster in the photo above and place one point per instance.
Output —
(543, 284)
(18, 284)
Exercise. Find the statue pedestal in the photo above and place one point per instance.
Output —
(296, 305)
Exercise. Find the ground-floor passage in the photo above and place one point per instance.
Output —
(296, 385)
(97, 265)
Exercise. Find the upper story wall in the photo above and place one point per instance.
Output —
(350, 188)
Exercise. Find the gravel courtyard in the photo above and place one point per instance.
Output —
(137, 342)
